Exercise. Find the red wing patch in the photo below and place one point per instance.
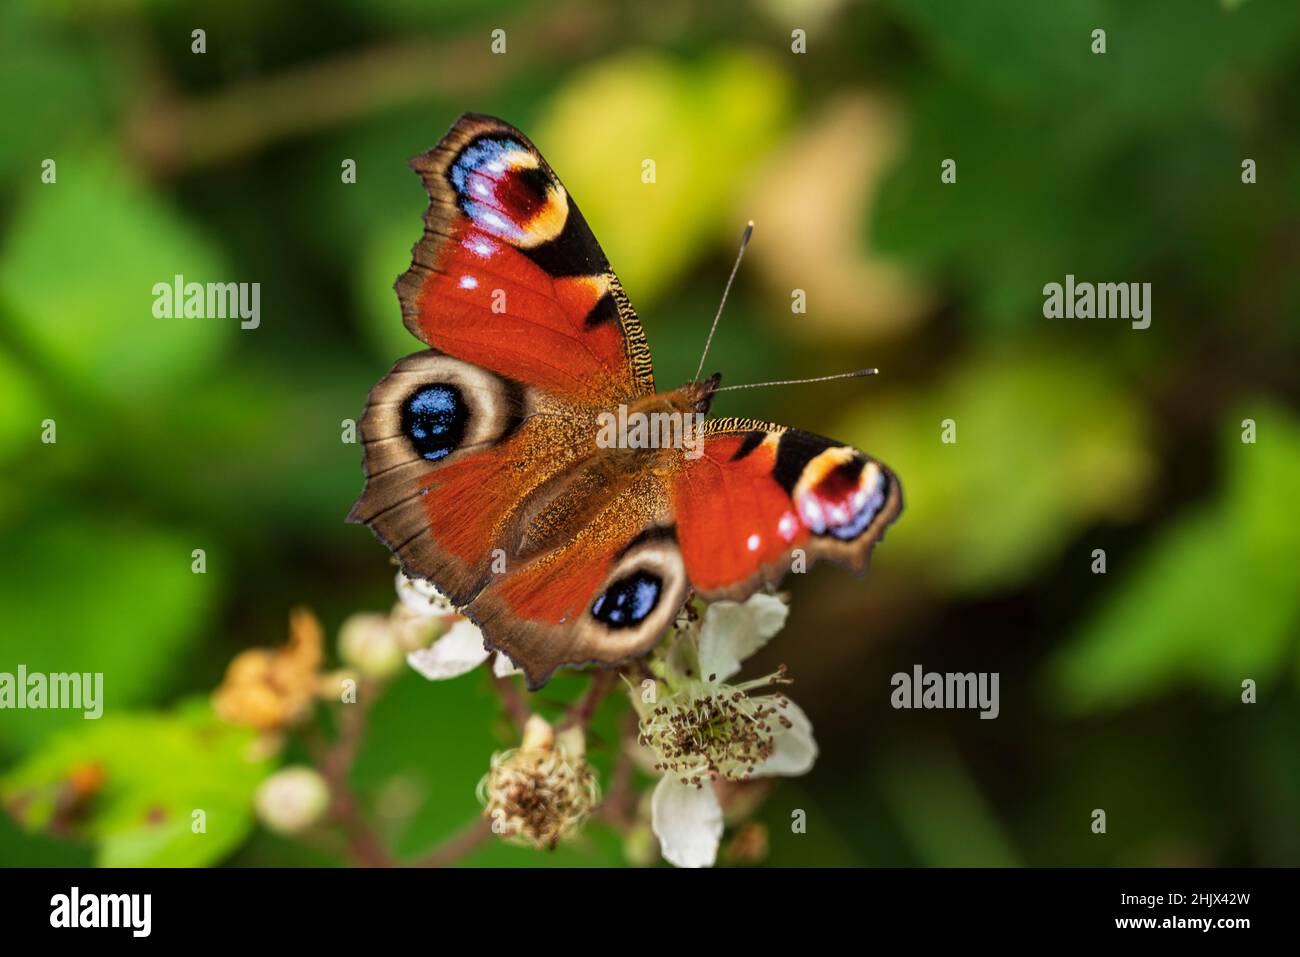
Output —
(759, 493)
(732, 517)
(508, 275)
(489, 304)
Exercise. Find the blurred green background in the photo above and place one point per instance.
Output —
(1119, 691)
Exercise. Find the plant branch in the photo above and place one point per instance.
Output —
(334, 763)
(458, 845)
(617, 808)
(512, 701)
(174, 132)
(584, 709)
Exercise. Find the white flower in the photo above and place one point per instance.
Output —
(702, 730)
(420, 595)
(460, 650)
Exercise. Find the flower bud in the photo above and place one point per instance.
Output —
(538, 734)
(367, 642)
(415, 630)
(292, 800)
(640, 846)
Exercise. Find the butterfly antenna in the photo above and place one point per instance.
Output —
(744, 241)
(823, 378)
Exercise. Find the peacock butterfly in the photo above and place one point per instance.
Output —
(483, 470)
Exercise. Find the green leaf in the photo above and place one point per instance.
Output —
(387, 255)
(156, 770)
(55, 86)
(21, 410)
(84, 594)
(22, 848)
(1016, 48)
(1157, 53)
(77, 274)
(941, 810)
(427, 744)
(1079, 162)
(1213, 601)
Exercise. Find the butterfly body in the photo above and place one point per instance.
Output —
(498, 462)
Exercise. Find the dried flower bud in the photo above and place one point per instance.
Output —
(540, 792)
(270, 689)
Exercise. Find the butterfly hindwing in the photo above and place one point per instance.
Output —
(605, 595)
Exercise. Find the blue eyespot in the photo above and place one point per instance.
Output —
(434, 419)
(628, 601)
(865, 502)
(486, 157)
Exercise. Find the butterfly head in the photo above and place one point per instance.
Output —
(698, 396)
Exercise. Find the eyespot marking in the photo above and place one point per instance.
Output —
(628, 601)
(434, 418)
(841, 493)
(506, 193)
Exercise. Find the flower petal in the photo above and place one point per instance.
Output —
(732, 631)
(458, 651)
(420, 595)
(503, 667)
(682, 660)
(416, 629)
(688, 822)
(794, 749)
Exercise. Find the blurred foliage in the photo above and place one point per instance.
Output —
(67, 621)
(1044, 443)
(1215, 601)
(1120, 690)
(67, 298)
(131, 783)
(703, 125)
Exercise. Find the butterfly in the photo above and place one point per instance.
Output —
(484, 473)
